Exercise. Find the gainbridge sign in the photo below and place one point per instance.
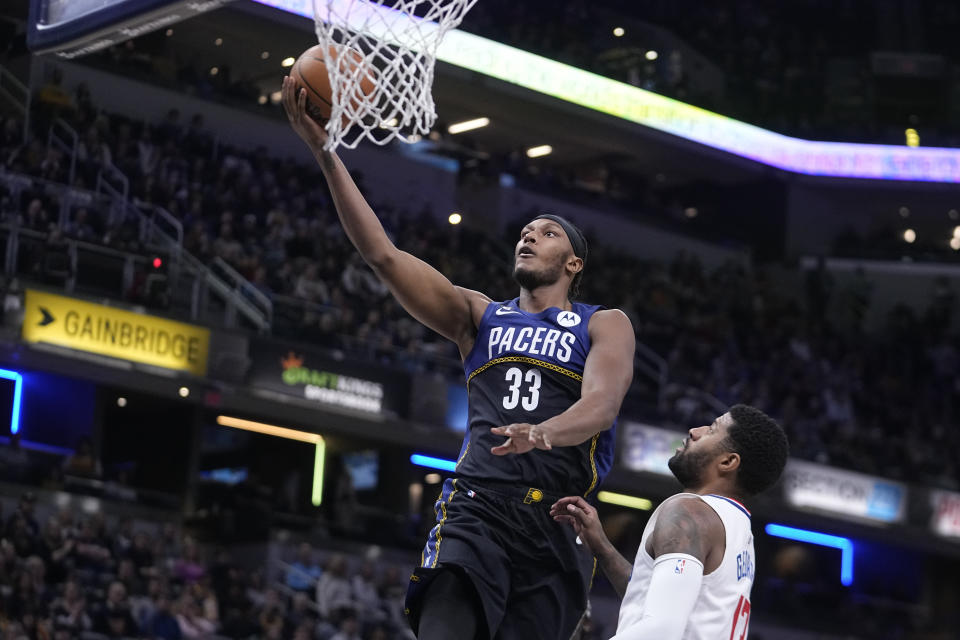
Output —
(106, 331)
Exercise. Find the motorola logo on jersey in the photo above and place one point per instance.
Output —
(549, 343)
(568, 319)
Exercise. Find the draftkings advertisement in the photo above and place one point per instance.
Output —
(314, 376)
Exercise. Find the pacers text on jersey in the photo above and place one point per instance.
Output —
(541, 341)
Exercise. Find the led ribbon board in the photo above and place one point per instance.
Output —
(837, 159)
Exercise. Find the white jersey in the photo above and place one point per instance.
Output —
(722, 609)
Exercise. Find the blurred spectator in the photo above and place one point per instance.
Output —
(113, 618)
(192, 622)
(334, 597)
(70, 612)
(14, 461)
(349, 629)
(365, 593)
(303, 573)
(163, 624)
(83, 462)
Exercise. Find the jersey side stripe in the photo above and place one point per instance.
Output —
(436, 554)
(431, 551)
(459, 460)
(526, 360)
(593, 464)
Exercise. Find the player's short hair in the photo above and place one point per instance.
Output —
(762, 446)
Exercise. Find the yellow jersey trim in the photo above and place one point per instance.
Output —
(443, 508)
(593, 464)
(526, 360)
(464, 455)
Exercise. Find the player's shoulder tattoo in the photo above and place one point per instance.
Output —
(685, 525)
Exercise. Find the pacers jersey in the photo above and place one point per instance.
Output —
(528, 367)
(722, 609)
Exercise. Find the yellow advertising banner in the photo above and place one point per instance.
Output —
(107, 331)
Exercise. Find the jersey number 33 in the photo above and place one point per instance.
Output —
(523, 389)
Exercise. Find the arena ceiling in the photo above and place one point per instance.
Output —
(254, 40)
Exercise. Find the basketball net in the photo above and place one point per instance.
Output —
(398, 40)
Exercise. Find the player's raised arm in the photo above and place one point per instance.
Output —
(606, 378)
(422, 290)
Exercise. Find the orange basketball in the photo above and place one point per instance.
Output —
(310, 72)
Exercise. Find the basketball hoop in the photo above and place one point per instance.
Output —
(398, 40)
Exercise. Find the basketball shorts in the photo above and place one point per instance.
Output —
(530, 574)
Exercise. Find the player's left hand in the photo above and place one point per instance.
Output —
(521, 437)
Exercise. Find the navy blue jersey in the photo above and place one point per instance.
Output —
(528, 367)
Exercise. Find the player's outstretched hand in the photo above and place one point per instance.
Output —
(521, 437)
(294, 100)
(578, 513)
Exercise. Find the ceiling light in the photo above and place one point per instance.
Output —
(955, 243)
(287, 62)
(269, 429)
(263, 99)
(432, 478)
(623, 500)
(214, 71)
(652, 55)
(910, 236)
(184, 392)
(169, 32)
(455, 218)
(618, 32)
(468, 125)
(691, 212)
(953, 214)
(121, 401)
(218, 41)
(320, 446)
(904, 212)
(275, 97)
(389, 124)
(956, 232)
(264, 55)
(542, 150)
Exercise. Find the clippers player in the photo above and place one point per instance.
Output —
(694, 569)
(545, 378)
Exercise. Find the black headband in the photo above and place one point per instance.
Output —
(577, 240)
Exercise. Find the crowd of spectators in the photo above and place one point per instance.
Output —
(880, 401)
(68, 574)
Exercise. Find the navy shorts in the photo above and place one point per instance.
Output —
(531, 576)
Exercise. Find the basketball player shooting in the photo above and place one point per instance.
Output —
(545, 377)
(694, 569)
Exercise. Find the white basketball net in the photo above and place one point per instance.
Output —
(398, 40)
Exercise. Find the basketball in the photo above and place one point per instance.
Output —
(310, 72)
